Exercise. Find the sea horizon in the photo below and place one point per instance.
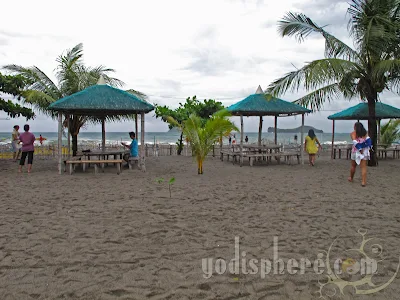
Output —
(171, 137)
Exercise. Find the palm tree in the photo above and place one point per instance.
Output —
(390, 133)
(202, 136)
(72, 76)
(363, 71)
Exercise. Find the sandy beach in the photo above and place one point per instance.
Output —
(121, 236)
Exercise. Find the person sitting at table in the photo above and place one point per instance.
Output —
(133, 147)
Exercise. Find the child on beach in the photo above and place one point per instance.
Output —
(310, 146)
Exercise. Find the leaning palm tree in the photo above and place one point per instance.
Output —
(202, 136)
(362, 71)
(390, 133)
(72, 76)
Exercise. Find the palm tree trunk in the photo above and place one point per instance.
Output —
(74, 144)
(180, 147)
(200, 166)
(372, 130)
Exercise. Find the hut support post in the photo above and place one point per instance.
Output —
(260, 131)
(333, 138)
(59, 143)
(276, 130)
(103, 134)
(136, 126)
(302, 139)
(241, 140)
(68, 136)
(379, 131)
(142, 154)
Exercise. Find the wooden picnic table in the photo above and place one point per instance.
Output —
(105, 154)
(264, 152)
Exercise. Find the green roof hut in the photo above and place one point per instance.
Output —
(361, 112)
(102, 101)
(260, 104)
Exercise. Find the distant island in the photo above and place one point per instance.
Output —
(295, 130)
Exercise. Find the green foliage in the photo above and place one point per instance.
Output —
(202, 136)
(160, 180)
(14, 85)
(204, 110)
(72, 76)
(170, 183)
(179, 146)
(14, 110)
(390, 133)
(362, 72)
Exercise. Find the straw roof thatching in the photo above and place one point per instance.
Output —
(361, 112)
(260, 104)
(101, 100)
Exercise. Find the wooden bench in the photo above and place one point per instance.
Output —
(71, 158)
(229, 153)
(252, 156)
(340, 150)
(382, 152)
(278, 155)
(289, 155)
(72, 163)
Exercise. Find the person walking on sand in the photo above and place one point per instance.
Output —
(15, 143)
(360, 152)
(27, 138)
(310, 146)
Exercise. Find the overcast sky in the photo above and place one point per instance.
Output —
(170, 50)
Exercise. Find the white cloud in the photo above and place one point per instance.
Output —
(173, 49)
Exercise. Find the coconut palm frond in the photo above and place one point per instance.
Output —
(317, 98)
(140, 95)
(37, 78)
(390, 133)
(312, 76)
(39, 101)
(300, 26)
(202, 137)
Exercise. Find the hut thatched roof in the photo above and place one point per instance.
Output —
(361, 112)
(260, 104)
(101, 100)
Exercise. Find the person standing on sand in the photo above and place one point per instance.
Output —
(360, 152)
(14, 143)
(27, 138)
(310, 146)
(246, 139)
(41, 139)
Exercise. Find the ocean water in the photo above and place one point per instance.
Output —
(172, 136)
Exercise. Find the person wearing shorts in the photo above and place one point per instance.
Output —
(27, 138)
(360, 154)
(15, 143)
